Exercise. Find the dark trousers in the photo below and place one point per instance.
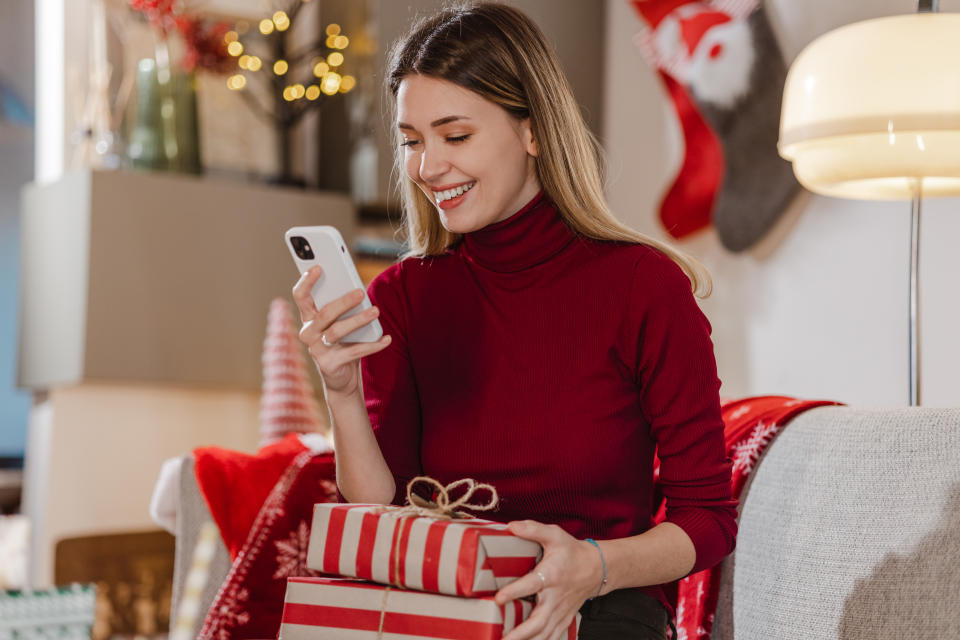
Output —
(624, 614)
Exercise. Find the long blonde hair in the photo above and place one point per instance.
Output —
(498, 52)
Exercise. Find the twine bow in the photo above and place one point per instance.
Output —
(442, 509)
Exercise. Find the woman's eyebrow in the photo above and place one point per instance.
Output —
(435, 123)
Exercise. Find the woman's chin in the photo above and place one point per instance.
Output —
(455, 224)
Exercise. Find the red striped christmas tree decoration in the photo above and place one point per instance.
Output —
(287, 403)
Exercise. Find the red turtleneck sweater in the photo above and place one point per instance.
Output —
(552, 366)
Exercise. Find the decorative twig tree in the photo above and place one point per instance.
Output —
(297, 80)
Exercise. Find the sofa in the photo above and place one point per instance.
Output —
(849, 529)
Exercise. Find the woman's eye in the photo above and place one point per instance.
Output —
(454, 139)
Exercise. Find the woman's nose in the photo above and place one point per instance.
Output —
(432, 163)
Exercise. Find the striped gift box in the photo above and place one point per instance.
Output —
(465, 557)
(339, 609)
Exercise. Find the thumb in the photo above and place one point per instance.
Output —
(533, 530)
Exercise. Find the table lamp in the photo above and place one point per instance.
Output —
(872, 111)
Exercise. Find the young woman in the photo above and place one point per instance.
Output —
(532, 341)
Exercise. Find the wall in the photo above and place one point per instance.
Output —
(16, 168)
(819, 308)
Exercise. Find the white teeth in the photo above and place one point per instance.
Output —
(452, 193)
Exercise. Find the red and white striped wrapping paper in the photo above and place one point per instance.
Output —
(466, 557)
(339, 609)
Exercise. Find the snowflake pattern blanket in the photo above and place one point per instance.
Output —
(263, 506)
(750, 425)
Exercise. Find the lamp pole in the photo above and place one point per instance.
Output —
(923, 6)
(914, 348)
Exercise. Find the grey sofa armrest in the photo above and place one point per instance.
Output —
(192, 514)
(850, 529)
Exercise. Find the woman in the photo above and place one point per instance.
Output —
(531, 341)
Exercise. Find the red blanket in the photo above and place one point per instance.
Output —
(750, 425)
(263, 505)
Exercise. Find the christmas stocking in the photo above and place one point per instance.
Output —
(724, 73)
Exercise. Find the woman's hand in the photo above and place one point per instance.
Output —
(571, 571)
(338, 364)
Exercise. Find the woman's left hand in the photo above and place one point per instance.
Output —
(571, 571)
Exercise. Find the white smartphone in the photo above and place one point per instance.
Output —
(324, 245)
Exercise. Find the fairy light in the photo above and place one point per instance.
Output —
(282, 21)
(347, 83)
(320, 68)
(335, 59)
(330, 42)
(235, 48)
(331, 83)
(341, 42)
(236, 82)
(230, 36)
(288, 94)
(266, 26)
(254, 63)
(244, 61)
(313, 92)
(280, 67)
(333, 29)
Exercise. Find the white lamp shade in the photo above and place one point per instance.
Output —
(873, 108)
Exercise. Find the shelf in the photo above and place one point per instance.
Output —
(156, 277)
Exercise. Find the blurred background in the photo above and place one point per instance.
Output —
(152, 152)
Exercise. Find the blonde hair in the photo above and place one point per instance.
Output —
(498, 52)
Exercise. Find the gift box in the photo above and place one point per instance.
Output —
(459, 557)
(341, 609)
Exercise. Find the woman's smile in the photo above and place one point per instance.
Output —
(450, 198)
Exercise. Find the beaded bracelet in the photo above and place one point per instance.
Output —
(603, 560)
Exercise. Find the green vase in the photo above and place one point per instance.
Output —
(165, 133)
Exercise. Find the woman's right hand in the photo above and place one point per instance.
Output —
(339, 364)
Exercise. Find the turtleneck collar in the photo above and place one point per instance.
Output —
(531, 236)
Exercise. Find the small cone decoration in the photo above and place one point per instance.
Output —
(287, 403)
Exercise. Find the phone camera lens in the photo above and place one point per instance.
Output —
(302, 247)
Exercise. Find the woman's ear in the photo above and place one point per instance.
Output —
(528, 142)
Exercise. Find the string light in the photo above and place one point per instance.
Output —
(341, 42)
(313, 92)
(230, 36)
(266, 26)
(347, 83)
(242, 27)
(331, 40)
(280, 67)
(335, 59)
(254, 63)
(333, 29)
(331, 83)
(282, 21)
(288, 94)
(236, 82)
(320, 68)
(235, 48)
(244, 61)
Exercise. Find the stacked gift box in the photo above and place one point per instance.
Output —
(407, 576)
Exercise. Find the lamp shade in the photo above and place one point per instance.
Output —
(872, 108)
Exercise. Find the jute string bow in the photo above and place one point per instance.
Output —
(442, 509)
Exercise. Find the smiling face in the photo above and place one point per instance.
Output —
(455, 141)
